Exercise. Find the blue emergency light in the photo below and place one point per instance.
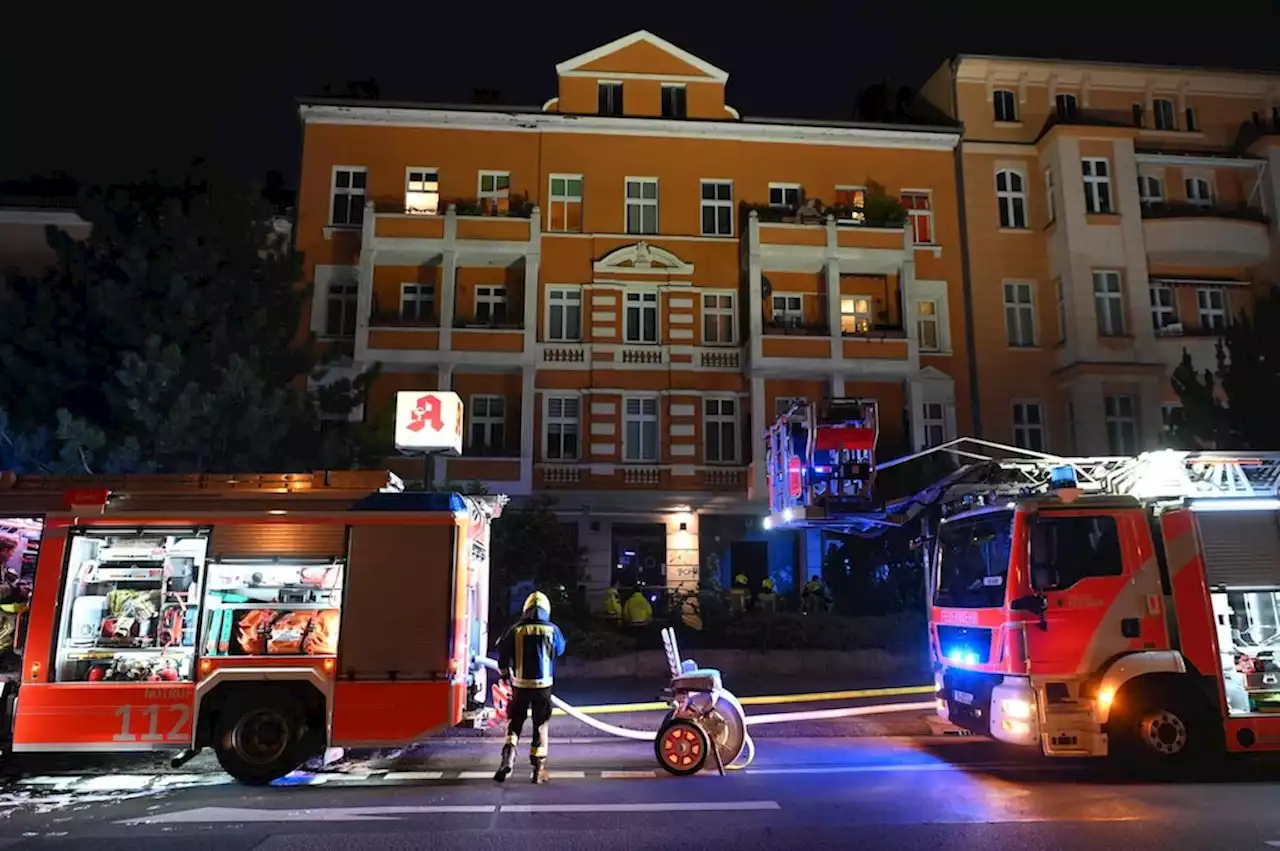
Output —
(1062, 477)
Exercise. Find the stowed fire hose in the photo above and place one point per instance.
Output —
(706, 717)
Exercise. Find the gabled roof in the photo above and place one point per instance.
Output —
(700, 65)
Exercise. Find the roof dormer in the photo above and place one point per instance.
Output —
(641, 76)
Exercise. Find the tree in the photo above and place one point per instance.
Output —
(1230, 407)
(532, 544)
(167, 341)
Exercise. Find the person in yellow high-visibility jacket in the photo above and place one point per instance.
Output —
(739, 594)
(767, 599)
(637, 612)
(612, 606)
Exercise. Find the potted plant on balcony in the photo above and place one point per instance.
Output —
(882, 210)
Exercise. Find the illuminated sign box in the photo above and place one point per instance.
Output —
(429, 421)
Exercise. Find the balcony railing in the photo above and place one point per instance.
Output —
(396, 320)
(876, 332)
(797, 329)
(480, 323)
(513, 207)
(879, 211)
(1170, 210)
(1182, 331)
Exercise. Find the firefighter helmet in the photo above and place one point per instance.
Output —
(537, 600)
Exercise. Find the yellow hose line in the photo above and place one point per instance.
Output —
(763, 700)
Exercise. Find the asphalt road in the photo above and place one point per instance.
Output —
(906, 794)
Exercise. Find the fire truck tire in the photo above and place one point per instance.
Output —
(1160, 727)
(681, 747)
(261, 735)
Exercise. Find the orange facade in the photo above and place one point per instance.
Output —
(626, 284)
(1115, 217)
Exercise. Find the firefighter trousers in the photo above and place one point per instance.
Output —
(526, 702)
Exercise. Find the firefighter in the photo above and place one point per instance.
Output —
(612, 606)
(638, 611)
(767, 599)
(526, 656)
(739, 593)
(815, 596)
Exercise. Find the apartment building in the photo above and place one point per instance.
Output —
(628, 283)
(27, 208)
(1115, 215)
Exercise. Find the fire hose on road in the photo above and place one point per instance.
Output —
(706, 717)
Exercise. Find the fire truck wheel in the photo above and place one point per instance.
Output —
(260, 736)
(1161, 728)
(681, 747)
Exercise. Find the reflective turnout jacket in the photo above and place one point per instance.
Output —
(529, 650)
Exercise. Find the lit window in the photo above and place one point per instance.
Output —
(422, 192)
(855, 314)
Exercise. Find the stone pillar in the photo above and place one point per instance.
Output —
(448, 277)
(755, 287)
(759, 483)
(528, 439)
(440, 462)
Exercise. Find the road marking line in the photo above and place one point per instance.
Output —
(568, 775)
(627, 775)
(413, 775)
(208, 815)
(475, 775)
(674, 806)
(923, 766)
(1274, 843)
(761, 700)
(116, 783)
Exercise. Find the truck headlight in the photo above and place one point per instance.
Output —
(1016, 708)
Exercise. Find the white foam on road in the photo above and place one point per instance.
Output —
(116, 783)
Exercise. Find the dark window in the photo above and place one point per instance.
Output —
(973, 560)
(610, 99)
(1163, 111)
(1137, 115)
(1191, 120)
(1065, 550)
(639, 555)
(1066, 105)
(673, 102)
(1006, 105)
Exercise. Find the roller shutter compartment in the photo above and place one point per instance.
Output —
(1241, 548)
(254, 540)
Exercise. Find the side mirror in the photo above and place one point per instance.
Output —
(1033, 603)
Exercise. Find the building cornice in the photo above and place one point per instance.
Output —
(1116, 77)
(740, 131)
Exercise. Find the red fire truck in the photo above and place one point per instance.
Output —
(1095, 606)
(267, 617)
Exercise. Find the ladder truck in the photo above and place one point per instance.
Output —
(1122, 606)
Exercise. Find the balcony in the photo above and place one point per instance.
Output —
(880, 342)
(657, 477)
(872, 239)
(1205, 236)
(393, 331)
(504, 333)
(788, 338)
(1199, 342)
(482, 233)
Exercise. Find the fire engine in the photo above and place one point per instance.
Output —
(267, 617)
(1123, 606)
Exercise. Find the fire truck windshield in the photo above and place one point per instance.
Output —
(973, 560)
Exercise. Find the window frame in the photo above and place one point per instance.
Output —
(865, 317)
(934, 319)
(1066, 105)
(1050, 196)
(1020, 316)
(1196, 199)
(1007, 199)
(641, 203)
(487, 421)
(1146, 182)
(717, 204)
(679, 104)
(1098, 197)
(562, 421)
(727, 424)
(564, 305)
(1110, 297)
(565, 200)
(1159, 310)
(613, 86)
(493, 296)
(784, 188)
(408, 180)
(1023, 408)
(645, 299)
(793, 318)
(335, 191)
(720, 312)
(1009, 116)
(1210, 312)
(928, 424)
(628, 455)
(1116, 420)
(495, 196)
(1161, 121)
(416, 297)
(916, 215)
(349, 297)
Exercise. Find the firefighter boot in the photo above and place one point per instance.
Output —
(539, 774)
(508, 763)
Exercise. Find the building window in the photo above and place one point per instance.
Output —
(1065, 105)
(561, 440)
(641, 318)
(488, 424)
(1097, 185)
(1060, 296)
(1164, 309)
(340, 310)
(565, 215)
(495, 192)
(1006, 105)
(1163, 111)
(348, 196)
(1050, 195)
(855, 314)
(935, 424)
(610, 99)
(788, 310)
(1122, 425)
(1138, 112)
(720, 430)
(851, 204)
(1028, 426)
(1199, 192)
(564, 314)
(1150, 190)
(491, 305)
(417, 302)
(422, 192)
(1019, 315)
(640, 432)
(1212, 304)
(1011, 195)
(927, 329)
(717, 319)
(1108, 300)
(784, 195)
(642, 205)
(1191, 125)
(674, 103)
(717, 208)
(1170, 416)
(918, 208)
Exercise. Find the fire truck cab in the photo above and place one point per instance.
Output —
(265, 617)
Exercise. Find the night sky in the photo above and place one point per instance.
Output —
(109, 95)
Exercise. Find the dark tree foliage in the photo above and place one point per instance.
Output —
(167, 341)
(1232, 407)
(532, 544)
